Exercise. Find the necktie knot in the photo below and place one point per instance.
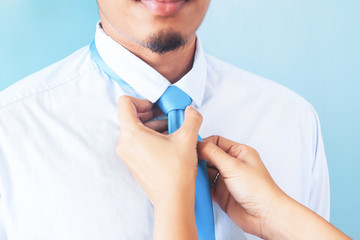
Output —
(173, 99)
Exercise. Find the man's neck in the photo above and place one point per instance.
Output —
(172, 65)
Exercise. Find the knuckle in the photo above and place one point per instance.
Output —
(244, 149)
(209, 149)
(252, 150)
(247, 150)
(123, 98)
(216, 139)
(213, 139)
(198, 116)
(194, 116)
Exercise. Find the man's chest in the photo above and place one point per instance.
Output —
(63, 180)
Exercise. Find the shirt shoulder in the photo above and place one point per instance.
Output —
(54, 76)
(235, 76)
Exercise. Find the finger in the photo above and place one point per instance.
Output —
(209, 165)
(234, 149)
(156, 111)
(151, 114)
(191, 126)
(241, 217)
(221, 194)
(146, 116)
(141, 105)
(211, 175)
(223, 143)
(129, 107)
(216, 156)
(158, 125)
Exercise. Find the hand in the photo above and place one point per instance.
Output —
(244, 189)
(162, 164)
(251, 198)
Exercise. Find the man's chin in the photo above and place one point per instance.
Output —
(165, 41)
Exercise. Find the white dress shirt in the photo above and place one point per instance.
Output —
(60, 177)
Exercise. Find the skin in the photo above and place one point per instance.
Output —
(131, 24)
(244, 190)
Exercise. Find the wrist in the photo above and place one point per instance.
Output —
(292, 220)
(279, 212)
(180, 194)
(288, 220)
(174, 215)
(177, 187)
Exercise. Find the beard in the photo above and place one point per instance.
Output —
(165, 41)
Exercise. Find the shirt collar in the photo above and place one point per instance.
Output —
(143, 78)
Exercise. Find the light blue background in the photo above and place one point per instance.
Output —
(310, 46)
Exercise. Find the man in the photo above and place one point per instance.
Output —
(60, 177)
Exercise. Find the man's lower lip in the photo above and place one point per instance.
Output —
(163, 7)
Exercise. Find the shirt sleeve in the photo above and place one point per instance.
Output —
(319, 200)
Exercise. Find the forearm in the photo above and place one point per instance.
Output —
(174, 217)
(291, 220)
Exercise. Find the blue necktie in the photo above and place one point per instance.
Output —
(172, 103)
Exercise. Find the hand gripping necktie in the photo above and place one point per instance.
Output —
(173, 103)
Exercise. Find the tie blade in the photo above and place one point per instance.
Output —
(203, 204)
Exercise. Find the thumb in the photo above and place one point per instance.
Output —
(129, 108)
(191, 126)
(214, 155)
